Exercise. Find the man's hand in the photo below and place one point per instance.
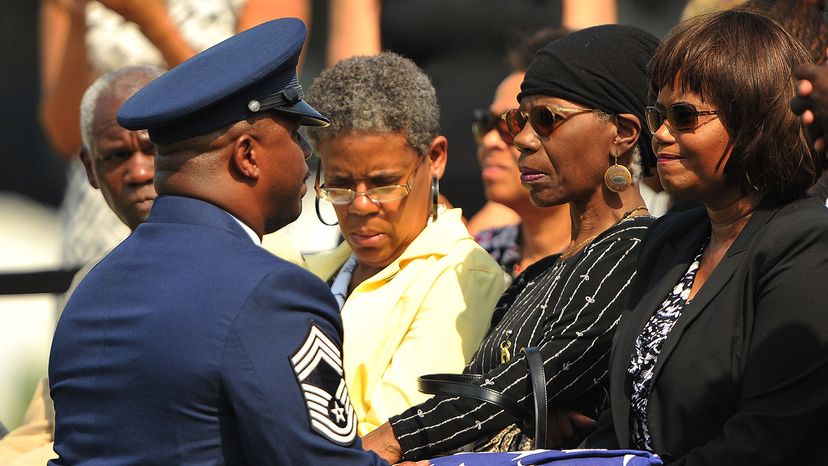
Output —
(383, 442)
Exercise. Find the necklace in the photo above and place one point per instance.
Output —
(571, 251)
(630, 213)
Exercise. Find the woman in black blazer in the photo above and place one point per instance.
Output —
(722, 355)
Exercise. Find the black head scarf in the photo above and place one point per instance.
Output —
(602, 67)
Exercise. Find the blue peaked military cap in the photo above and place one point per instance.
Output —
(249, 73)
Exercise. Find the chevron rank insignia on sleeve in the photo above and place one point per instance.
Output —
(318, 367)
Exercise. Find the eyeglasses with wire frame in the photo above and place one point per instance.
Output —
(377, 195)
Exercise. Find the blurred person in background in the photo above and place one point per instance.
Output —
(81, 40)
(807, 20)
(531, 232)
(120, 164)
(812, 104)
(415, 290)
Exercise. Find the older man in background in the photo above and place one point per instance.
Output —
(120, 163)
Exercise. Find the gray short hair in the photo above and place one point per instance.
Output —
(121, 82)
(383, 93)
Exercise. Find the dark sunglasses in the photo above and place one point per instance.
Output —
(484, 121)
(543, 118)
(680, 117)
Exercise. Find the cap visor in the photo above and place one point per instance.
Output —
(308, 116)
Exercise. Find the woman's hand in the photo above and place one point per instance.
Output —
(811, 101)
(383, 442)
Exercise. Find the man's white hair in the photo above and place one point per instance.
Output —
(121, 82)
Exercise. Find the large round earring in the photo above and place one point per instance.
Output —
(316, 201)
(617, 177)
(435, 197)
(319, 215)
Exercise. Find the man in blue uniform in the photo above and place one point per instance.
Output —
(189, 343)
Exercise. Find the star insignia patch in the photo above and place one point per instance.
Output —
(318, 367)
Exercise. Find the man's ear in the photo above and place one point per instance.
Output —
(628, 130)
(87, 164)
(244, 159)
(438, 153)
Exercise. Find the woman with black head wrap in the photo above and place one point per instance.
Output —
(582, 101)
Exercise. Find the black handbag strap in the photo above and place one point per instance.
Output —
(469, 385)
(538, 377)
(458, 385)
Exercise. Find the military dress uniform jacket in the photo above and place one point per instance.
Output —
(424, 313)
(742, 376)
(30, 444)
(190, 344)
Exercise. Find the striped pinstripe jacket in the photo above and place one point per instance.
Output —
(569, 309)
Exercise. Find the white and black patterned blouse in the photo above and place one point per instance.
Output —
(503, 244)
(569, 309)
(646, 350)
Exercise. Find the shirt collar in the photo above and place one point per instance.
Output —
(252, 234)
(339, 287)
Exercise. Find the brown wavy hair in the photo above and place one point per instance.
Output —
(743, 62)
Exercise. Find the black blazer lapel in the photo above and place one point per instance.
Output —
(669, 264)
(721, 275)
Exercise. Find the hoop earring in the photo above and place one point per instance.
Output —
(319, 215)
(617, 177)
(316, 200)
(435, 198)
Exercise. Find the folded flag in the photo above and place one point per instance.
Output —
(592, 457)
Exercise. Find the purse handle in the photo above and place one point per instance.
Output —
(468, 385)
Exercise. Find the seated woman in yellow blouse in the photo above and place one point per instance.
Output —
(416, 291)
